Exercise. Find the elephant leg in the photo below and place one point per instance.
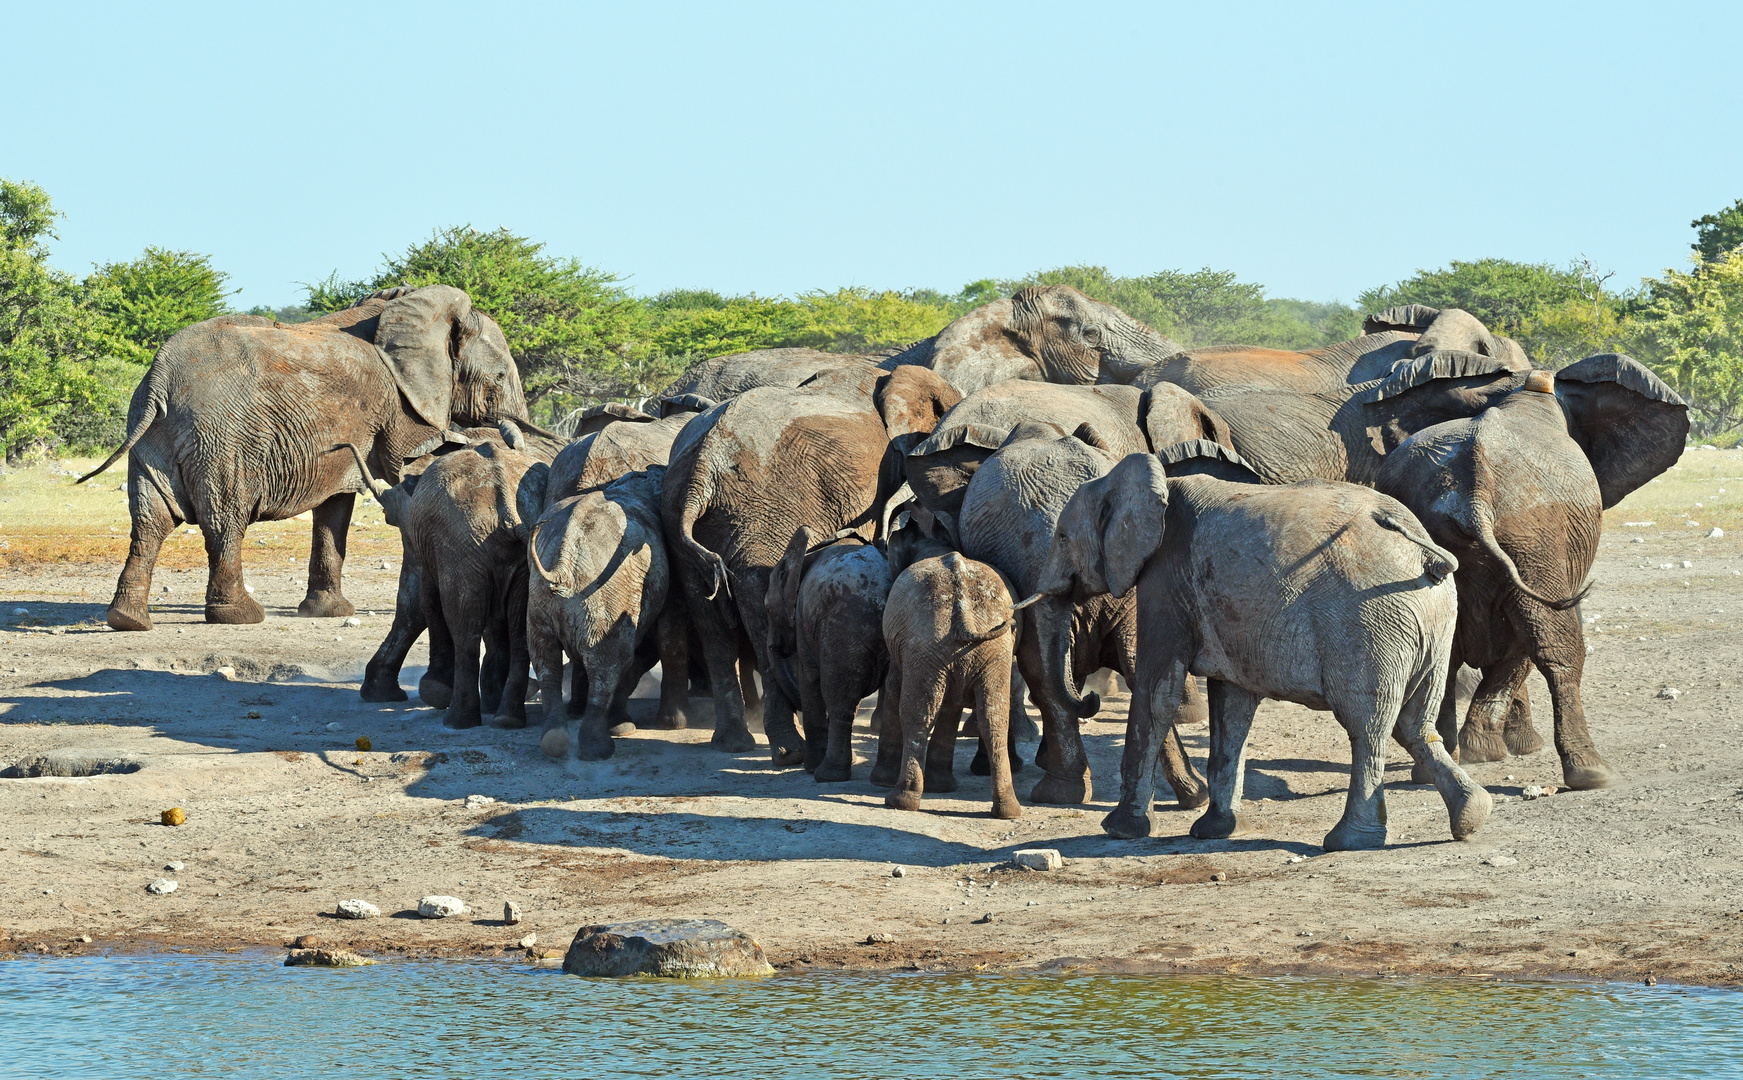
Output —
(327, 558)
(227, 599)
(1120, 653)
(152, 522)
(1161, 682)
(941, 750)
(810, 675)
(511, 711)
(607, 663)
(1062, 758)
(547, 656)
(992, 713)
(1558, 648)
(1194, 709)
(436, 688)
(747, 681)
(887, 769)
(1467, 804)
(381, 675)
(1522, 737)
(1368, 718)
(1231, 721)
(466, 625)
(840, 706)
(493, 672)
(720, 656)
(1446, 725)
(922, 707)
(577, 688)
(1023, 727)
(1481, 738)
(674, 638)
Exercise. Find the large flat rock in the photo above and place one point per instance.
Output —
(672, 948)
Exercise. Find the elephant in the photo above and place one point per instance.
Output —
(615, 450)
(1326, 594)
(1008, 515)
(825, 607)
(236, 418)
(951, 630)
(603, 601)
(1492, 463)
(748, 473)
(1044, 333)
(709, 382)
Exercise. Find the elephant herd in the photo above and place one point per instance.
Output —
(1043, 489)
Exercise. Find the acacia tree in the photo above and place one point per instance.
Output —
(1691, 326)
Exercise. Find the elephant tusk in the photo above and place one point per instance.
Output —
(1021, 604)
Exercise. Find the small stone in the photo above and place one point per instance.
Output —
(987, 918)
(473, 802)
(325, 958)
(511, 913)
(1038, 858)
(173, 816)
(357, 909)
(161, 887)
(1532, 791)
(20, 611)
(253, 714)
(363, 742)
(1666, 566)
(1715, 534)
(248, 588)
(440, 907)
(1220, 875)
(352, 620)
(1500, 860)
(385, 565)
(1686, 565)
(306, 941)
(899, 872)
(226, 672)
(335, 726)
(1649, 981)
(880, 939)
(1296, 858)
(674, 948)
(1670, 693)
(165, 590)
(174, 867)
(84, 939)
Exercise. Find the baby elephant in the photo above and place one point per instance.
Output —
(598, 589)
(826, 617)
(1324, 594)
(952, 635)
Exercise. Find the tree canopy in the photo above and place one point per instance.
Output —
(149, 299)
(1719, 233)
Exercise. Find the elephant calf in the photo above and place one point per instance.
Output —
(1325, 594)
(600, 584)
(951, 632)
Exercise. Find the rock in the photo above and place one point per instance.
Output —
(987, 918)
(225, 672)
(511, 913)
(161, 887)
(174, 867)
(1670, 693)
(325, 958)
(352, 620)
(1649, 981)
(1716, 534)
(165, 590)
(173, 816)
(1220, 875)
(335, 726)
(1500, 860)
(363, 742)
(529, 941)
(880, 939)
(900, 871)
(357, 909)
(84, 939)
(253, 714)
(1038, 858)
(672, 948)
(1532, 791)
(473, 802)
(1686, 565)
(306, 941)
(440, 907)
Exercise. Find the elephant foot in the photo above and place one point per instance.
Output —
(902, 799)
(940, 782)
(1347, 835)
(1125, 823)
(555, 743)
(1478, 744)
(506, 719)
(620, 729)
(1062, 790)
(786, 756)
(981, 765)
(325, 605)
(676, 721)
(884, 773)
(736, 740)
(382, 690)
(1467, 813)
(1584, 772)
(236, 612)
(593, 747)
(1007, 808)
(830, 772)
(1192, 799)
(1521, 738)
(460, 716)
(1217, 824)
(126, 613)
(435, 693)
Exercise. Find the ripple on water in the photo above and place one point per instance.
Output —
(251, 1017)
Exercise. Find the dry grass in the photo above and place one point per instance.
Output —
(1705, 487)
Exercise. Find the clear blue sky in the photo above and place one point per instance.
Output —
(1318, 149)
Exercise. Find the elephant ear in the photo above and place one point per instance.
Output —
(529, 494)
(1630, 424)
(1404, 317)
(1419, 391)
(419, 333)
(1458, 329)
(1201, 457)
(595, 417)
(1110, 527)
(912, 399)
(1171, 414)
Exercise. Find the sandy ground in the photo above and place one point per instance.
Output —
(285, 817)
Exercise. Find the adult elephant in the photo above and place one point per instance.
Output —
(709, 382)
(1009, 513)
(236, 420)
(1512, 473)
(745, 475)
(613, 451)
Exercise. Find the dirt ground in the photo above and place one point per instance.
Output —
(251, 730)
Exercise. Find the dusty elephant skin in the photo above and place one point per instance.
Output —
(1328, 595)
(667, 948)
(239, 419)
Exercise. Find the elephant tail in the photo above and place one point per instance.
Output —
(375, 486)
(1437, 562)
(705, 563)
(155, 406)
(559, 582)
(1485, 535)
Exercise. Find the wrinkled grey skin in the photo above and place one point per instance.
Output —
(239, 417)
(825, 625)
(613, 450)
(950, 630)
(1128, 418)
(1046, 333)
(598, 588)
(1008, 517)
(1489, 466)
(1328, 595)
(709, 382)
(747, 474)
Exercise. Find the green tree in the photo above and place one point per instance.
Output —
(856, 320)
(48, 338)
(1691, 333)
(1718, 233)
(149, 299)
(1501, 292)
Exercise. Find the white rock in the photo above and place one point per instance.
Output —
(248, 589)
(385, 565)
(1531, 791)
(1666, 566)
(473, 802)
(227, 672)
(511, 912)
(529, 941)
(353, 621)
(1716, 534)
(357, 909)
(1670, 693)
(899, 871)
(1500, 860)
(1038, 858)
(1639, 524)
(174, 867)
(161, 887)
(440, 907)
(1686, 565)
(335, 726)
(1638, 540)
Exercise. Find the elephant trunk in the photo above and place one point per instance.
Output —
(1052, 619)
(1129, 348)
